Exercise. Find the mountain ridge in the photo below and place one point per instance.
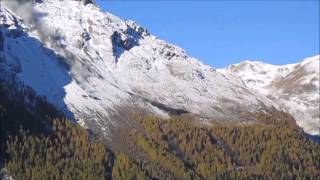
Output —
(92, 65)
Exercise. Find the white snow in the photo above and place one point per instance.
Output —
(90, 63)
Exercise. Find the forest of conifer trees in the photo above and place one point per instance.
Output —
(39, 143)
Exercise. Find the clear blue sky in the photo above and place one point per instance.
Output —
(220, 33)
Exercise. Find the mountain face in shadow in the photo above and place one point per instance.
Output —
(26, 60)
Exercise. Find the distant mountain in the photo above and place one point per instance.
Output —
(295, 87)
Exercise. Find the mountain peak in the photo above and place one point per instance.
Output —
(92, 65)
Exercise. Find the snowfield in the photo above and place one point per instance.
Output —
(92, 65)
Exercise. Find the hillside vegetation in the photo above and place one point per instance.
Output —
(37, 142)
(178, 149)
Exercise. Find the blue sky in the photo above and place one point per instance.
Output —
(220, 33)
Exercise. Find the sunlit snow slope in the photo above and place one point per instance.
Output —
(96, 67)
(295, 87)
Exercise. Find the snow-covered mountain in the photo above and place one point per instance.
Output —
(295, 87)
(97, 67)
